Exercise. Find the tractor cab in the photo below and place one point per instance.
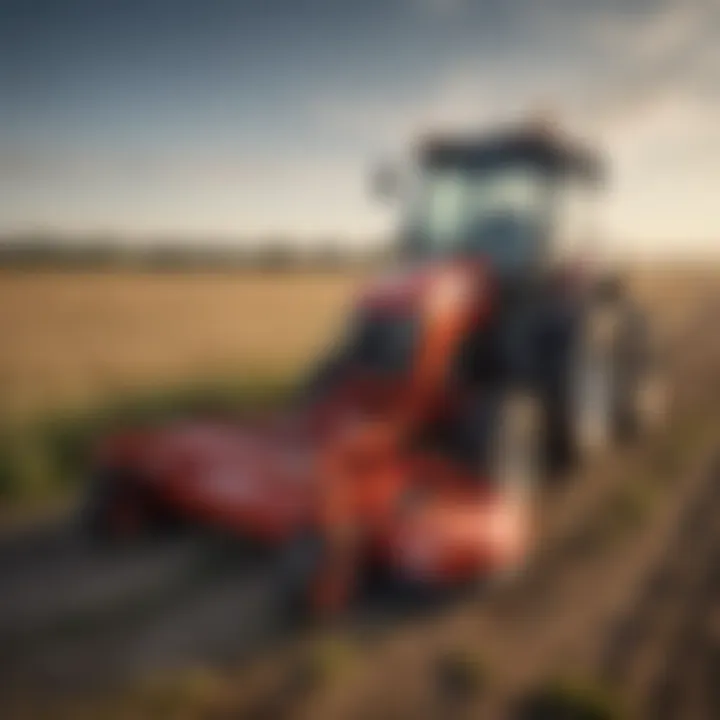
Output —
(494, 228)
(522, 200)
(488, 221)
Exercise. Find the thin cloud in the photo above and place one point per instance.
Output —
(652, 56)
(440, 7)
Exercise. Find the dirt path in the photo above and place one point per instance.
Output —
(71, 618)
(660, 650)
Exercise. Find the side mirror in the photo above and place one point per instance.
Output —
(385, 182)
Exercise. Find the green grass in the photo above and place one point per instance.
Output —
(323, 663)
(571, 699)
(48, 458)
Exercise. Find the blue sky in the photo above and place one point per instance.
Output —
(241, 119)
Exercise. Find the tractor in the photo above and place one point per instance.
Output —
(494, 353)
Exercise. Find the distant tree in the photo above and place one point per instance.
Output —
(276, 254)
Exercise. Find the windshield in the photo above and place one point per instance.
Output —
(496, 212)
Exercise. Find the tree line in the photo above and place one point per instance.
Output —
(272, 254)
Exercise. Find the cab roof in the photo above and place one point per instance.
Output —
(545, 148)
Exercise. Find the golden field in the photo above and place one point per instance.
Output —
(72, 338)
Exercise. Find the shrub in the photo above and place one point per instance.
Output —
(461, 674)
(570, 699)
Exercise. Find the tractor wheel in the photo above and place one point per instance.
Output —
(516, 466)
(582, 393)
(611, 386)
(507, 426)
(514, 456)
(117, 510)
(642, 400)
(501, 437)
(592, 376)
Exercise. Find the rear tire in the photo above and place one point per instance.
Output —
(581, 392)
(511, 454)
(593, 375)
(517, 467)
(643, 399)
(514, 457)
